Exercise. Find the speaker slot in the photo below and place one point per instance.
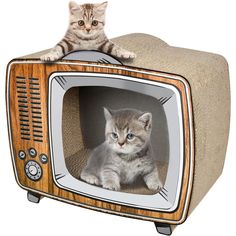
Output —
(30, 117)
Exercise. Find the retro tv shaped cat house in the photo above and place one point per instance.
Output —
(55, 118)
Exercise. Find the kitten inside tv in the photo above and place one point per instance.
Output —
(113, 148)
(126, 152)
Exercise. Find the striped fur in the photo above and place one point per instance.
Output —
(86, 32)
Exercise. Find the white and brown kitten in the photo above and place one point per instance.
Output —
(126, 152)
(86, 32)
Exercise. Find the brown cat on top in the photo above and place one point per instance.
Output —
(86, 32)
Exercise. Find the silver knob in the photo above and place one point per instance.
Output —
(33, 170)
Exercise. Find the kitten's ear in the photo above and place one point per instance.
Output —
(73, 6)
(107, 113)
(146, 119)
(102, 6)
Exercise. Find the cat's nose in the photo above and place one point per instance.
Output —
(121, 144)
(88, 30)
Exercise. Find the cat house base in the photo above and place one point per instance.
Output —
(55, 119)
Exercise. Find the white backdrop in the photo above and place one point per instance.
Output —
(29, 26)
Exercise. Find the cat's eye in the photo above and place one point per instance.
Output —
(130, 136)
(94, 22)
(81, 22)
(114, 135)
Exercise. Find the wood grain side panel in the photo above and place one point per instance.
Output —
(46, 184)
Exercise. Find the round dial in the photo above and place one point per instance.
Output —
(33, 170)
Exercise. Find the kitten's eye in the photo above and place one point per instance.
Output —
(95, 23)
(114, 135)
(130, 136)
(81, 22)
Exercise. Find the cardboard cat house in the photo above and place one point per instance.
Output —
(55, 119)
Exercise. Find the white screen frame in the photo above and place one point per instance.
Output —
(63, 179)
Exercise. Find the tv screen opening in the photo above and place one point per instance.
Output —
(98, 121)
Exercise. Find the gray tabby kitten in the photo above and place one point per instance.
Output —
(126, 152)
(86, 32)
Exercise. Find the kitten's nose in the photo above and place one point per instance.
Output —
(88, 30)
(121, 144)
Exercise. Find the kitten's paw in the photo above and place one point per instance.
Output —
(50, 57)
(124, 54)
(129, 55)
(91, 179)
(111, 185)
(154, 184)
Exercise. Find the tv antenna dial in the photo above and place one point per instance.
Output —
(33, 170)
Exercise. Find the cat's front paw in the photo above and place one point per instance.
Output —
(154, 184)
(129, 55)
(124, 54)
(91, 179)
(111, 185)
(50, 57)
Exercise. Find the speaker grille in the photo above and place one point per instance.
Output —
(23, 107)
(29, 106)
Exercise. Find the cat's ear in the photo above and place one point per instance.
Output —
(146, 119)
(107, 113)
(73, 6)
(102, 6)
